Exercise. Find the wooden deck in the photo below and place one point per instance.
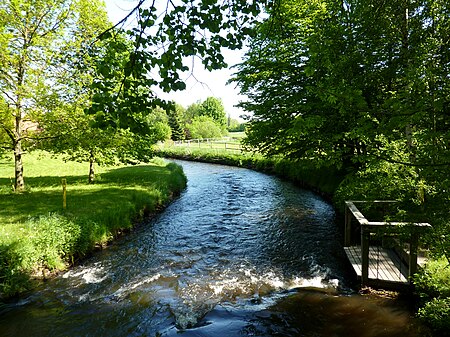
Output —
(384, 265)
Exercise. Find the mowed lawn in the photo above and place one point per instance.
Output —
(33, 221)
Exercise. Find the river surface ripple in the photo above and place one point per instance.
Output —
(240, 253)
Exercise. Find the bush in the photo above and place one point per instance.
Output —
(433, 280)
(204, 127)
(436, 313)
(433, 287)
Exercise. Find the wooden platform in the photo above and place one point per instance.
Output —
(384, 265)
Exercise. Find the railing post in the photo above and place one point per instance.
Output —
(413, 246)
(365, 235)
(348, 227)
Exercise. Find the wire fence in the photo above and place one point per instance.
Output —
(226, 143)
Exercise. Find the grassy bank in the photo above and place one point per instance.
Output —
(37, 235)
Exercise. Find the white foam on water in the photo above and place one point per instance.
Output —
(314, 282)
(198, 296)
(124, 290)
(95, 274)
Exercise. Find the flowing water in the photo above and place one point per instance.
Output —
(239, 253)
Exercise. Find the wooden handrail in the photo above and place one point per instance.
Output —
(368, 227)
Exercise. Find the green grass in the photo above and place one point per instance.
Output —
(322, 180)
(37, 234)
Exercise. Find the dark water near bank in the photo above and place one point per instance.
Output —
(238, 254)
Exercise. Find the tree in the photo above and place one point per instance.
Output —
(213, 107)
(30, 32)
(192, 111)
(105, 125)
(327, 68)
(34, 31)
(357, 84)
(233, 125)
(204, 127)
(175, 113)
(40, 43)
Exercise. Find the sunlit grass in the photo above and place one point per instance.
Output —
(95, 213)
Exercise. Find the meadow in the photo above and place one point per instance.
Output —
(39, 236)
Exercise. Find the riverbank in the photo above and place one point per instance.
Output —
(323, 181)
(38, 236)
(432, 285)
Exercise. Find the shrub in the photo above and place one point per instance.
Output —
(204, 127)
(436, 313)
(433, 280)
(433, 287)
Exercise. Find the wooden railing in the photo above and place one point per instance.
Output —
(368, 227)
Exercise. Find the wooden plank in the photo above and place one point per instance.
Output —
(356, 213)
(383, 265)
(378, 224)
(348, 228)
(365, 250)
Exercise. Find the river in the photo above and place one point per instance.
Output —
(239, 253)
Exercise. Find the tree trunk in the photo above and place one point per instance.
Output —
(91, 168)
(19, 184)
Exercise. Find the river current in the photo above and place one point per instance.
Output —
(239, 253)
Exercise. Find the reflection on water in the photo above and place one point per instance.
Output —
(238, 254)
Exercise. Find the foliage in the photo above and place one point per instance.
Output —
(198, 117)
(204, 127)
(363, 86)
(433, 287)
(36, 37)
(54, 58)
(166, 36)
(37, 234)
(175, 114)
(340, 84)
(103, 125)
(433, 280)
(233, 125)
(436, 313)
(213, 107)
(191, 112)
(374, 182)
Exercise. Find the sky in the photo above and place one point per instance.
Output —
(205, 83)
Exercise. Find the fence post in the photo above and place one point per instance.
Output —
(413, 246)
(63, 181)
(365, 235)
(348, 227)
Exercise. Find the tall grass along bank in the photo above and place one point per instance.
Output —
(324, 181)
(38, 236)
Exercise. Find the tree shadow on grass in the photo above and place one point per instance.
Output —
(128, 185)
(140, 174)
(42, 182)
(135, 175)
(17, 208)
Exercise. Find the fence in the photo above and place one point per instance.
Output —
(225, 143)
